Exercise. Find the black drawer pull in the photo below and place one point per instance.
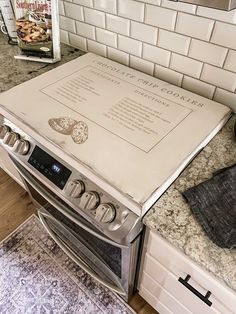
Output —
(193, 290)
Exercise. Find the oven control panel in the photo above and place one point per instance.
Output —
(48, 166)
(13, 139)
(73, 188)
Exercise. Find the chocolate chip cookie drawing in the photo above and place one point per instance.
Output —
(68, 126)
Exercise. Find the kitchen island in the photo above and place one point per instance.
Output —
(170, 217)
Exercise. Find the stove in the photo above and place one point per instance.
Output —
(97, 143)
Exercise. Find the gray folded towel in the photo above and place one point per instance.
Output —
(213, 203)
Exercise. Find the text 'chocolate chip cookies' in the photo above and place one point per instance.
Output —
(68, 126)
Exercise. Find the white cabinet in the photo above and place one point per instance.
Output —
(7, 165)
(172, 283)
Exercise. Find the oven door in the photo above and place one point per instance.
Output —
(112, 264)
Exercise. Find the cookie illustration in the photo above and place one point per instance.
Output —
(63, 125)
(80, 132)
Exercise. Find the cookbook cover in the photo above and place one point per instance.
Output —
(37, 30)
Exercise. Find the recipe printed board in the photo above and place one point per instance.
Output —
(134, 132)
(37, 29)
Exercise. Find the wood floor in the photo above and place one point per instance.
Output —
(16, 207)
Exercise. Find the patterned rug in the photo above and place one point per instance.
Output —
(36, 277)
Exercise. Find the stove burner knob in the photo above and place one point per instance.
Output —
(4, 129)
(75, 188)
(105, 213)
(21, 147)
(89, 200)
(10, 138)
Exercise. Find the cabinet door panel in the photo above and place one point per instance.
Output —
(170, 283)
(154, 302)
(180, 266)
(162, 295)
(7, 165)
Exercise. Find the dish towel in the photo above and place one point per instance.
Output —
(213, 203)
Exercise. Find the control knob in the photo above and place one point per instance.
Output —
(105, 213)
(10, 138)
(4, 129)
(74, 188)
(89, 200)
(21, 147)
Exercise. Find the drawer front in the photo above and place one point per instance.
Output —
(160, 294)
(178, 265)
(170, 283)
(154, 302)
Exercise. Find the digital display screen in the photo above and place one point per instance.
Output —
(56, 168)
(49, 167)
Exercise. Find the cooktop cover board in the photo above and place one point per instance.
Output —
(131, 130)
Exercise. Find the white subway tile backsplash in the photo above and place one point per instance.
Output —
(230, 63)
(131, 9)
(130, 45)
(219, 77)
(64, 36)
(78, 41)
(226, 16)
(224, 35)
(174, 42)
(144, 32)
(74, 11)
(184, 7)
(118, 24)
(184, 44)
(106, 5)
(168, 75)
(160, 17)
(207, 52)
(85, 30)
(226, 98)
(156, 2)
(106, 37)
(194, 26)
(186, 65)
(94, 17)
(142, 65)
(198, 87)
(117, 55)
(61, 8)
(87, 3)
(67, 24)
(156, 54)
(97, 48)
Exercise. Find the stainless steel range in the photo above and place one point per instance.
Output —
(99, 233)
(97, 144)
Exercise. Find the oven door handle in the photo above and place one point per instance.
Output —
(43, 215)
(60, 207)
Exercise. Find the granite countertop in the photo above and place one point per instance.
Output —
(171, 217)
(14, 72)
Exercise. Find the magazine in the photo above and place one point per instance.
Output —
(37, 29)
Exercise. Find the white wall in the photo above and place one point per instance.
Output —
(187, 45)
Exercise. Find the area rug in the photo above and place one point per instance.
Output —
(37, 277)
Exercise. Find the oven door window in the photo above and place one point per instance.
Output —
(109, 254)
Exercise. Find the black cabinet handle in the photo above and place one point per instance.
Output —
(204, 298)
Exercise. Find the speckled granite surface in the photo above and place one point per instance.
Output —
(14, 72)
(172, 218)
